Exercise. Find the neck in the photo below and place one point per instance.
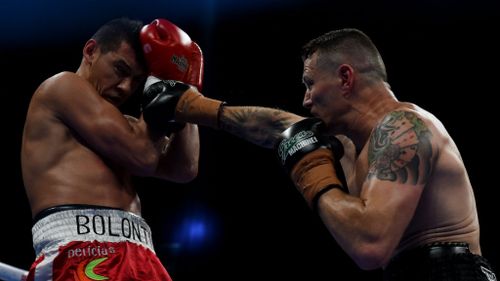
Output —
(368, 107)
(82, 70)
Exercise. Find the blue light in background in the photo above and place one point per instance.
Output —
(195, 230)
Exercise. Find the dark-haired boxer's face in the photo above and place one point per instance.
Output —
(116, 74)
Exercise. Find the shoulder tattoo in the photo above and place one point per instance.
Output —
(400, 149)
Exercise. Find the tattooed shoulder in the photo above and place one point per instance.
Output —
(400, 149)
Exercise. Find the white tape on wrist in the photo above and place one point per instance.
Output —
(150, 81)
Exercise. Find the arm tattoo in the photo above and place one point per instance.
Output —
(399, 147)
(258, 125)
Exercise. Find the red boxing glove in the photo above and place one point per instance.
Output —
(171, 54)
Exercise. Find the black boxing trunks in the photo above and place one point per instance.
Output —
(450, 261)
(88, 243)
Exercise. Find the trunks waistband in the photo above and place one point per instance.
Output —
(439, 261)
(437, 250)
(430, 251)
(89, 223)
(45, 212)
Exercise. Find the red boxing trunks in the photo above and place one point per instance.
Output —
(92, 243)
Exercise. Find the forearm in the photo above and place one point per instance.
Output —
(180, 155)
(366, 234)
(259, 125)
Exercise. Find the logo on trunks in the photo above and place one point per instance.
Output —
(85, 271)
(91, 251)
(102, 225)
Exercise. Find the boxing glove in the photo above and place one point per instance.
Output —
(167, 102)
(158, 105)
(312, 159)
(171, 54)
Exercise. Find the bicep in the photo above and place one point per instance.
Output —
(400, 157)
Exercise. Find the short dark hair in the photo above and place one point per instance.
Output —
(348, 45)
(110, 36)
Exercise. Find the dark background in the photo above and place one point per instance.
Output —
(242, 219)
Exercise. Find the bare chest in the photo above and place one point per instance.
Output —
(356, 173)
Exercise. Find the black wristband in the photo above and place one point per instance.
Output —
(315, 200)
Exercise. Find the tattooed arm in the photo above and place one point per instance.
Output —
(259, 125)
(396, 167)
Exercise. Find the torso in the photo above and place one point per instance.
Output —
(446, 210)
(58, 168)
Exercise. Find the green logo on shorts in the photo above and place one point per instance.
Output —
(89, 270)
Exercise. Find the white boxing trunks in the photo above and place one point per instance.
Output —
(89, 243)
